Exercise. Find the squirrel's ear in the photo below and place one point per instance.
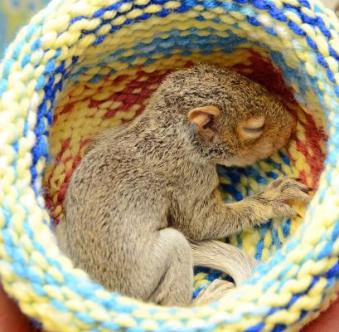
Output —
(202, 116)
(252, 128)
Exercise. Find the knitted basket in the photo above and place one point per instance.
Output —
(84, 65)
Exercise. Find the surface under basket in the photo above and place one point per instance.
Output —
(82, 66)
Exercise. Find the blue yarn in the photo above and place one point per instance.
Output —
(326, 251)
(270, 31)
(7, 66)
(213, 275)
(164, 12)
(279, 328)
(259, 248)
(84, 317)
(15, 146)
(210, 4)
(159, 2)
(61, 67)
(83, 289)
(253, 172)
(201, 269)
(3, 86)
(114, 29)
(260, 245)
(277, 14)
(25, 60)
(74, 60)
(269, 284)
(291, 245)
(19, 45)
(332, 158)
(222, 170)
(100, 12)
(294, 298)
(59, 305)
(34, 277)
(253, 21)
(333, 53)
(76, 19)
(336, 90)
(135, 329)
(308, 20)
(36, 45)
(16, 51)
(330, 76)
(40, 83)
(227, 6)
(276, 165)
(331, 283)
(128, 22)
(256, 328)
(19, 264)
(273, 310)
(40, 150)
(49, 88)
(261, 4)
(312, 43)
(286, 227)
(316, 22)
(232, 191)
(303, 313)
(272, 175)
(314, 281)
(323, 28)
(40, 128)
(333, 272)
(322, 60)
(233, 174)
(38, 289)
(305, 3)
(50, 66)
(143, 17)
(295, 27)
(264, 269)
(196, 292)
(200, 18)
(335, 232)
(275, 238)
(239, 241)
(99, 40)
(113, 7)
(284, 276)
(41, 132)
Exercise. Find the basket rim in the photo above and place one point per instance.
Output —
(94, 307)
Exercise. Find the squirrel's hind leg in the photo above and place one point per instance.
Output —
(175, 286)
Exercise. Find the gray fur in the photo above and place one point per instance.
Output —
(142, 192)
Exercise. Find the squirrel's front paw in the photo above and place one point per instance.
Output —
(279, 195)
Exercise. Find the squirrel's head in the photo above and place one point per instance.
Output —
(234, 121)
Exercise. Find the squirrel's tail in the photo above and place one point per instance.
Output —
(223, 257)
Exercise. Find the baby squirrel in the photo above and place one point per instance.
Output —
(146, 194)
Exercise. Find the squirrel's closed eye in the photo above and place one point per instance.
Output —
(252, 128)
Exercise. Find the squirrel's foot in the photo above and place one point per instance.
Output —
(280, 194)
